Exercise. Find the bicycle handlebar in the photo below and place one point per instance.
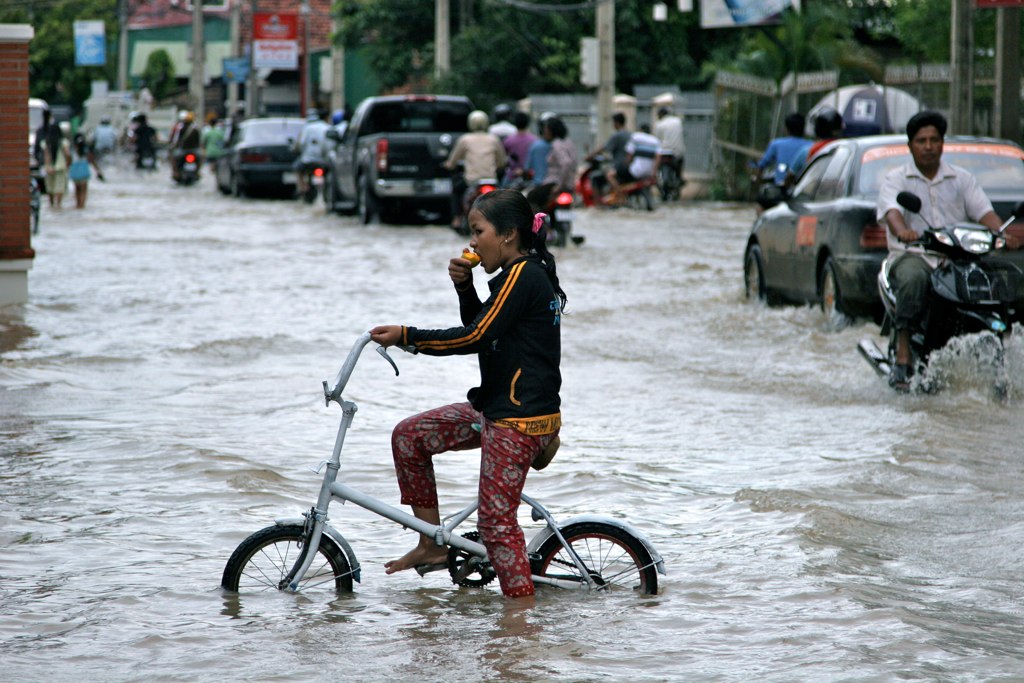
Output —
(333, 392)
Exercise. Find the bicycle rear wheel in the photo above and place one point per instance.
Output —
(261, 562)
(615, 559)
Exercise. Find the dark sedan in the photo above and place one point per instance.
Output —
(260, 156)
(821, 242)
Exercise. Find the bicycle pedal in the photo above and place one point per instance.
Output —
(424, 569)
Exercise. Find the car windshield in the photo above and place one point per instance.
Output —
(273, 132)
(998, 168)
(424, 116)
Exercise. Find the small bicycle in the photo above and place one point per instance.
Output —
(588, 552)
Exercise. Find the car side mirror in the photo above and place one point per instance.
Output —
(770, 195)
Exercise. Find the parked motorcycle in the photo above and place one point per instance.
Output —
(968, 296)
(593, 188)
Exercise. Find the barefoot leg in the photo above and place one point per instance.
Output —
(426, 551)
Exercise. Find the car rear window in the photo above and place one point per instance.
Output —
(275, 132)
(998, 168)
(417, 116)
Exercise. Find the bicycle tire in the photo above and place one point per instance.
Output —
(615, 558)
(262, 560)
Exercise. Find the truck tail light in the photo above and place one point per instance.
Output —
(873, 237)
(382, 155)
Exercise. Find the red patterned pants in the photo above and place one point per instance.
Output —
(506, 455)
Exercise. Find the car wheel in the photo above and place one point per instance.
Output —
(367, 202)
(330, 194)
(836, 315)
(236, 186)
(753, 275)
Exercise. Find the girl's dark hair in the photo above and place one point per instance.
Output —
(557, 126)
(54, 135)
(509, 211)
(81, 147)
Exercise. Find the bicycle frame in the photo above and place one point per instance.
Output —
(443, 534)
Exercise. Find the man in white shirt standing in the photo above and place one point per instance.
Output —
(949, 194)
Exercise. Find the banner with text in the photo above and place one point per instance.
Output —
(731, 13)
(275, 41)
(90, 43)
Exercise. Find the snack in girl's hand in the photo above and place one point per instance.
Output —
(472, 257)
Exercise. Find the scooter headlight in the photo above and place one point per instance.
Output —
(974, 241)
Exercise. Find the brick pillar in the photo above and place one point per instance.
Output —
(16, 252)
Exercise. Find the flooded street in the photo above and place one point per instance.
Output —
(160, 400)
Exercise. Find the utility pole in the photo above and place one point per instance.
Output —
(442, 38)
(1007, 101)
(606, 68)
(122, 45)
(337, 70)
(235, 38)
(197, 86)
(961, 92)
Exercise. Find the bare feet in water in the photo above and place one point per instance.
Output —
(432, 554)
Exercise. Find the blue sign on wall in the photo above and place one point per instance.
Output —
(236, 69)
(90, 44)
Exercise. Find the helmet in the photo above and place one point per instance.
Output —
(189, 117)
(477, 120)
(503, 112)
(337, 117)
(828, 123)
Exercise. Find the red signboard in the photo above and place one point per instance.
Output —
(986, 4)
(275, 26)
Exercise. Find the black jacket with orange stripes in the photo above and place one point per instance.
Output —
(516, 333)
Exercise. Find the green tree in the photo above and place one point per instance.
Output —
(53, 74)
(159, 74)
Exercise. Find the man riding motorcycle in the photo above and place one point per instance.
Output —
(185, 140)
(482, 156)
(949, 194)
(312, 146)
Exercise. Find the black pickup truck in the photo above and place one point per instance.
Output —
(389, 160)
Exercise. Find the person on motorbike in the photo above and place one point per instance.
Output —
(144, 140)
(669, 130)
(502, 126)
(782, 152)
(614, 147)
(641, 162)
(104, 138)
(517, 148)
(186, 140)
(828, 126)
(312, 147)
(536, 165)
(562, 164)
(949, 194)
(482, 156)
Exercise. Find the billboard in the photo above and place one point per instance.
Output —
(90, 43)
(728, 13)
(275, 42)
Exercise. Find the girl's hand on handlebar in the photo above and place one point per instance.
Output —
(386, 335)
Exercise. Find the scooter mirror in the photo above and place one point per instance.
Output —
(1019, 211)
(909, 201)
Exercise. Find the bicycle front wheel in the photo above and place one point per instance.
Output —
(261, 562)
(614, 558)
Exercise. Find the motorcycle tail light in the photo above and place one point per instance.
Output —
(564, 199)
(382, 155)
(484, 189)
(873, 237)
(318, 172)
(190, 158)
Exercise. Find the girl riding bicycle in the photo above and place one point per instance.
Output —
(513, 416)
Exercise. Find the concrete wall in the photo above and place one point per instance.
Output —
(15, 227)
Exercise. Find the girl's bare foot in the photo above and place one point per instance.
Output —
(432, 554)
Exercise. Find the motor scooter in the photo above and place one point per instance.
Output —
(670, 177)
(593, 188)
(314, 183)
(468, 194)
(187, 163)
(968, 296)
